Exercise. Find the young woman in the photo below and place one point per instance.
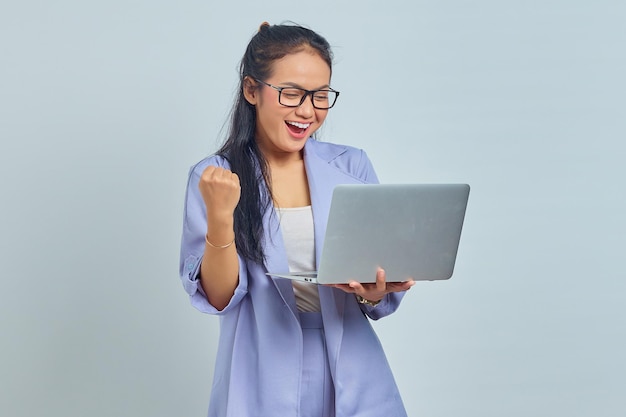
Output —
(261, 204)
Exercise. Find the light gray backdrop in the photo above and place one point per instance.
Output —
(105, 104)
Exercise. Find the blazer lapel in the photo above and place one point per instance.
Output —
(276, 257)
(323, 177)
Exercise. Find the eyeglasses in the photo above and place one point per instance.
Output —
(294, 97)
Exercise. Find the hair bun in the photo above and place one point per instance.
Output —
(264, 26)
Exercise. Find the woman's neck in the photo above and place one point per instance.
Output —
(289, 182)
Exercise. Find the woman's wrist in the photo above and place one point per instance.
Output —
(365, 301)
(206, 239)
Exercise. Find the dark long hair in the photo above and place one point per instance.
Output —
(240, 148)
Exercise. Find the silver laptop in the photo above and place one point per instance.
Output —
(412, 231)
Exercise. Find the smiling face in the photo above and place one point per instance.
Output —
(282, 131)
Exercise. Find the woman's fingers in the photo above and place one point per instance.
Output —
(220, 189)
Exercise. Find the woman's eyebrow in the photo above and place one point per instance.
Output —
(296, 85)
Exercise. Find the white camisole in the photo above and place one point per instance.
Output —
(296, 225)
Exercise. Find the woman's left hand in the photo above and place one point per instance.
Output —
(375, 291)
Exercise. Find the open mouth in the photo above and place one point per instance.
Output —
(297, 128)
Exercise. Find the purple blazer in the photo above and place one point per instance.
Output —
(258, 365)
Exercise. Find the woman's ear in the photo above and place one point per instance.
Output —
(250, 90)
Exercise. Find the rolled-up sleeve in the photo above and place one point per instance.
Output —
(387, 305)
(192, 245)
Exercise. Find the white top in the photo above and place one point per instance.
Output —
(299, 236)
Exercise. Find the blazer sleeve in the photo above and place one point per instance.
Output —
(192, 245)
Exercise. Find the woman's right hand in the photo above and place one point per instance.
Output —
(219, 271)
(220, 191)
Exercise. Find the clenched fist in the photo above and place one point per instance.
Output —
(220, 190)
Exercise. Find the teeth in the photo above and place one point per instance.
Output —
(300, 125)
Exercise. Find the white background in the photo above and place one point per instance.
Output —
(104, 105)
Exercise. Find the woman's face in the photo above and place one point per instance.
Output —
(282, 131)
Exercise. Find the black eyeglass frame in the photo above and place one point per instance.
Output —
(307, 93)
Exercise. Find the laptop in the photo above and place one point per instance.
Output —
(412, 231)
